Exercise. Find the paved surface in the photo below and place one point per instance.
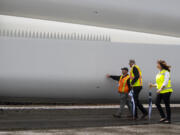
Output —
(56, 120)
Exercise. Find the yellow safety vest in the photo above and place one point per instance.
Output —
(160, 80)
(139, 81)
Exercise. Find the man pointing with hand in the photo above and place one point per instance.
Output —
(123, 88)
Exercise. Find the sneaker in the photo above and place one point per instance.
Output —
(162, 119)
(167, 122)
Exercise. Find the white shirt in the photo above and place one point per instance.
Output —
(166, 78)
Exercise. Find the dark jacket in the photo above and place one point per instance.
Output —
(136, 76)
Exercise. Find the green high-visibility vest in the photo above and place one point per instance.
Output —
(160, 80)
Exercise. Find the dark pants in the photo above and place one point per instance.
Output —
(138, 104)
(166, 98)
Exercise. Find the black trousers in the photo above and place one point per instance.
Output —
(166, 98)
(138, 104)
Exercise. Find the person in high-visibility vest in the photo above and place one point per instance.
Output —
(164, 90)
(123, 88)
(136, 84)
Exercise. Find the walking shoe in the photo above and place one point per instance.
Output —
(162, 119)
(144, 116)
(167, 122)
(116, 116)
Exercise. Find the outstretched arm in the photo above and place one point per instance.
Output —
(114, 77)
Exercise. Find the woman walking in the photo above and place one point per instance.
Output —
(164, 90)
